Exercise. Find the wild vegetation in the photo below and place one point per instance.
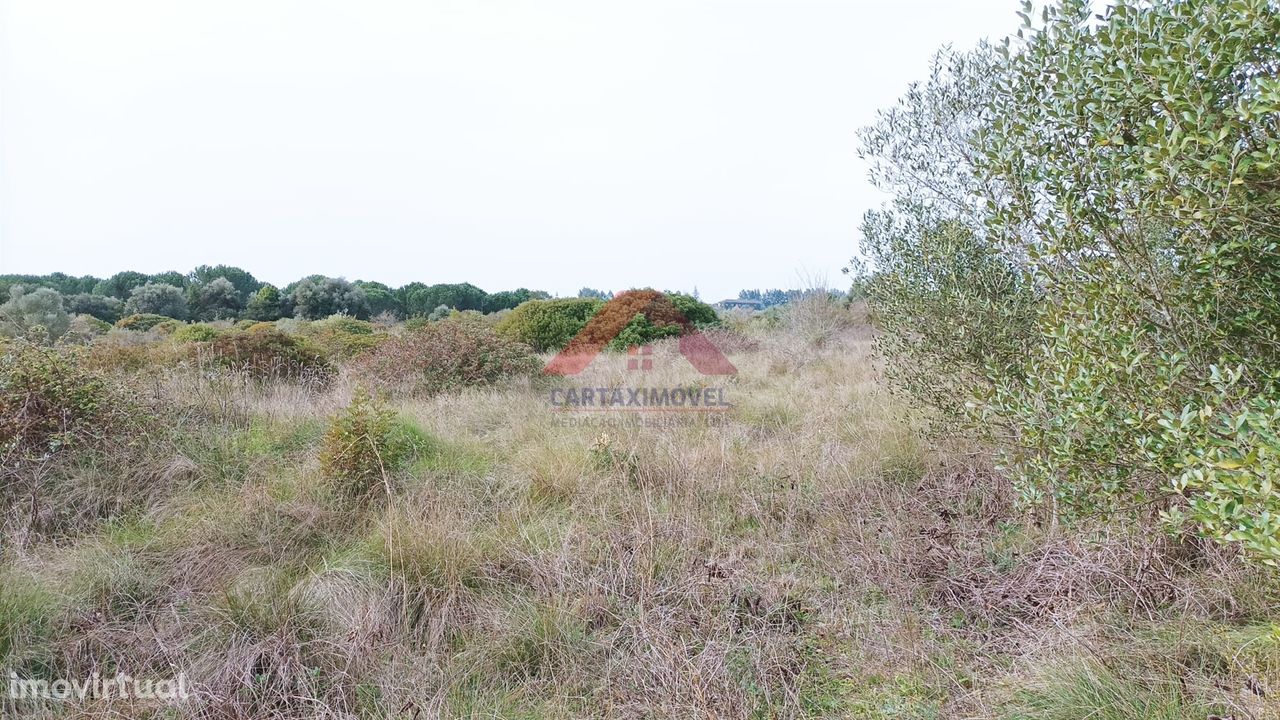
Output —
(1025, 470)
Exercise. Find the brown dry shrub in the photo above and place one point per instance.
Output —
(265, 354)
(449, 354)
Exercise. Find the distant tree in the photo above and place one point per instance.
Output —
(42, 307)
(121, 284)
(381, 299)
(157, 299)
(775, 297)
(217, 299)
(265, 305)
(587, 292)
(172, 277)
(772, 297)
(107, 309)
(421, 299)
(508, 299)
(63, 283)
(9, 281)
(319, 297)
(243, 281)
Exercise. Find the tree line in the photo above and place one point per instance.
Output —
(219, 292)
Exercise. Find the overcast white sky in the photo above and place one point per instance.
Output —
(545, 144)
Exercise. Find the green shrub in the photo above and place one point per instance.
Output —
(198, 332)
(1084, 244)
(694, 310)
(642, 331)
(363, 444)
(38, 311)
(267, 353)
(343, 337)
(140, 321)
(48, 401)
(548, 324)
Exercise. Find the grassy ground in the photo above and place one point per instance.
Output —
(803, 555)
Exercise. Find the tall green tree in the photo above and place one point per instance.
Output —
(319, 297)
(381, 298)
(242, 280)
(265, 305)
(157, 299)
(121, 284)
(217, 299)
(107, 309)
(1119, 178)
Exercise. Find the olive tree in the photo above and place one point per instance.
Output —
(953, 310)
(217, 299)
(1100, 206)
(40, 308)
(319, 297)
(157, 299)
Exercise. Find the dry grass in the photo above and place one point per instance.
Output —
(807, 556)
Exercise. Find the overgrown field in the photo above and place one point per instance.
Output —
(295, 547)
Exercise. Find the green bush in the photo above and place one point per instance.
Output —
(642, 331)
(342, 337)
(39, 310)
(694, 310)
(197, 332)
(267, 353)
(1087, 228)
(548, 324)
(141, 321)
(364, 442)
(48, 401)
